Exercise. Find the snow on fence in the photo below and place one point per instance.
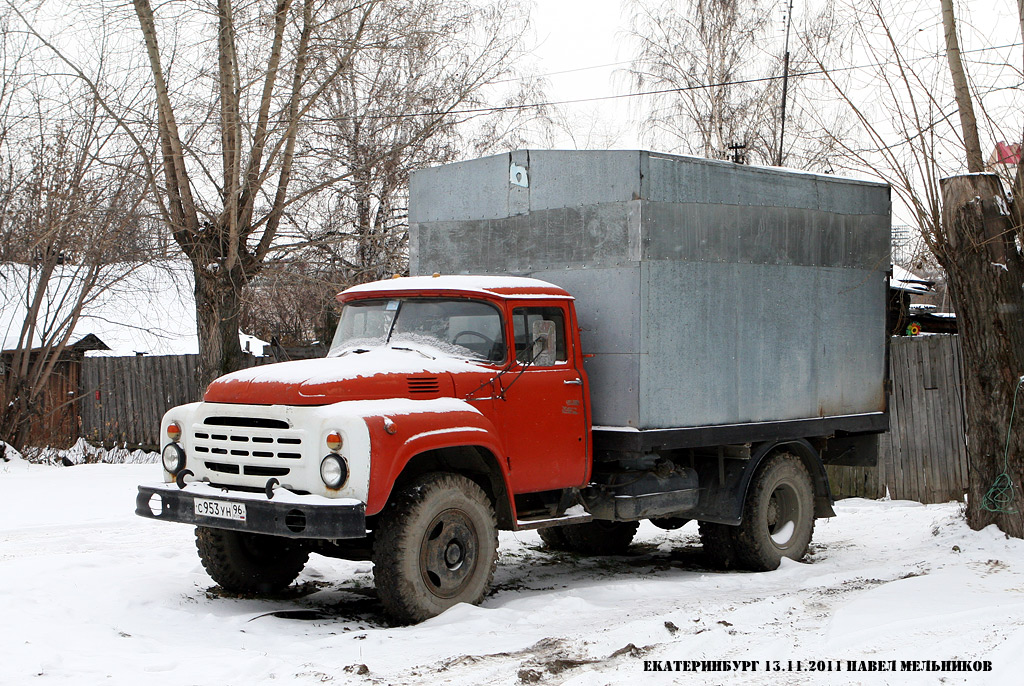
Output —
(922, 458)
(924, 455)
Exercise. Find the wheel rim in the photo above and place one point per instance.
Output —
(448, 553)
(782, 515)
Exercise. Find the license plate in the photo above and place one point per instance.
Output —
(221, 509)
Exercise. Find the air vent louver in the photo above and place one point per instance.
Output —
(424, 384)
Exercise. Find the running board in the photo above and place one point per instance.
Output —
(527, 524)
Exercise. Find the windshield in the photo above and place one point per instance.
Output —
(462, 328)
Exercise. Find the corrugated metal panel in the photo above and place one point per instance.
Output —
(609, 319)
(736, 343)
(710, 293)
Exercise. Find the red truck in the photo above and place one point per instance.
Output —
(452, 407)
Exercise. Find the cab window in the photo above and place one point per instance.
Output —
(524, 326)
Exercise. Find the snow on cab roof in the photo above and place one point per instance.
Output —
(504, 286)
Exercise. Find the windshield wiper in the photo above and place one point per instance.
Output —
(496, 379)
(357, 351)
(413, 350)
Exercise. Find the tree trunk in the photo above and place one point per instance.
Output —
(985, 272)
(15, 413)
(961, 90)
(218, 313)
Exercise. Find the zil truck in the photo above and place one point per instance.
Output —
(589, 339)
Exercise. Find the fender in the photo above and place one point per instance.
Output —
(815, 467)
(395, 439)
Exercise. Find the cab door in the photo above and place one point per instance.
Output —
(544, 411)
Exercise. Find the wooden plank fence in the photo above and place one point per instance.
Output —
(123, 398)
(924, 455)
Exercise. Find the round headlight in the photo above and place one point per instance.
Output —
(173, 458)
(174, 431)
(334, 441)
(333, 471)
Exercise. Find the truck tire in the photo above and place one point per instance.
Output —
(249, 563)
(599, 537)
(553, 538)
(719, 543)
(436, 545)
(778, 515)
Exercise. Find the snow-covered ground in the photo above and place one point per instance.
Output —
(92, 594)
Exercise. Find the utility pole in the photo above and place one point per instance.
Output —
(785, 84)
(739, 155)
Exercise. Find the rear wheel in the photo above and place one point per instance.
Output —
(249, 563)
(436, 546)
(554, 537)
(778, 515)
(719, 543)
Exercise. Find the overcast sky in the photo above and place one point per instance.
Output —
(583, 38)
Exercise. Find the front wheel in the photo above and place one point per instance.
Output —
(436, 546)
(249, 563)
(778, 515)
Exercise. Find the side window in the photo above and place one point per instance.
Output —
(524, 324)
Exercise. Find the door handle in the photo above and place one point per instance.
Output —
(573, 382)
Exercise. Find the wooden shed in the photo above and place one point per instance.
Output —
(55, 420)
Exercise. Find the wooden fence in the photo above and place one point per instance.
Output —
(124, 398)
(924, 455)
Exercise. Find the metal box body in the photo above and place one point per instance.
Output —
(708, 293)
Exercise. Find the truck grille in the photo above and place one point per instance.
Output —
(260, 422)
(258, 447)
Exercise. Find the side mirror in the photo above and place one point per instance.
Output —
(543, 348)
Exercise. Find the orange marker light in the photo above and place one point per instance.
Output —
(334, 441)
(174, 431)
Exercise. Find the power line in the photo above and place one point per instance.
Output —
(661, 91)
(493, 109)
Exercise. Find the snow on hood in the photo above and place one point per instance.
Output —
(333, 379)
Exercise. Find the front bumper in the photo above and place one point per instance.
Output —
(288, 514)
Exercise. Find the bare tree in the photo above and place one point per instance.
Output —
(228, 177)
(981, 250)
(720, 80)
(292, 301)
(414, 95)
(401, 104)
(912, 140)
(71, 230)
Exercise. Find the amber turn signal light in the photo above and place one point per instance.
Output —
(334, 441)
(174, 431)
